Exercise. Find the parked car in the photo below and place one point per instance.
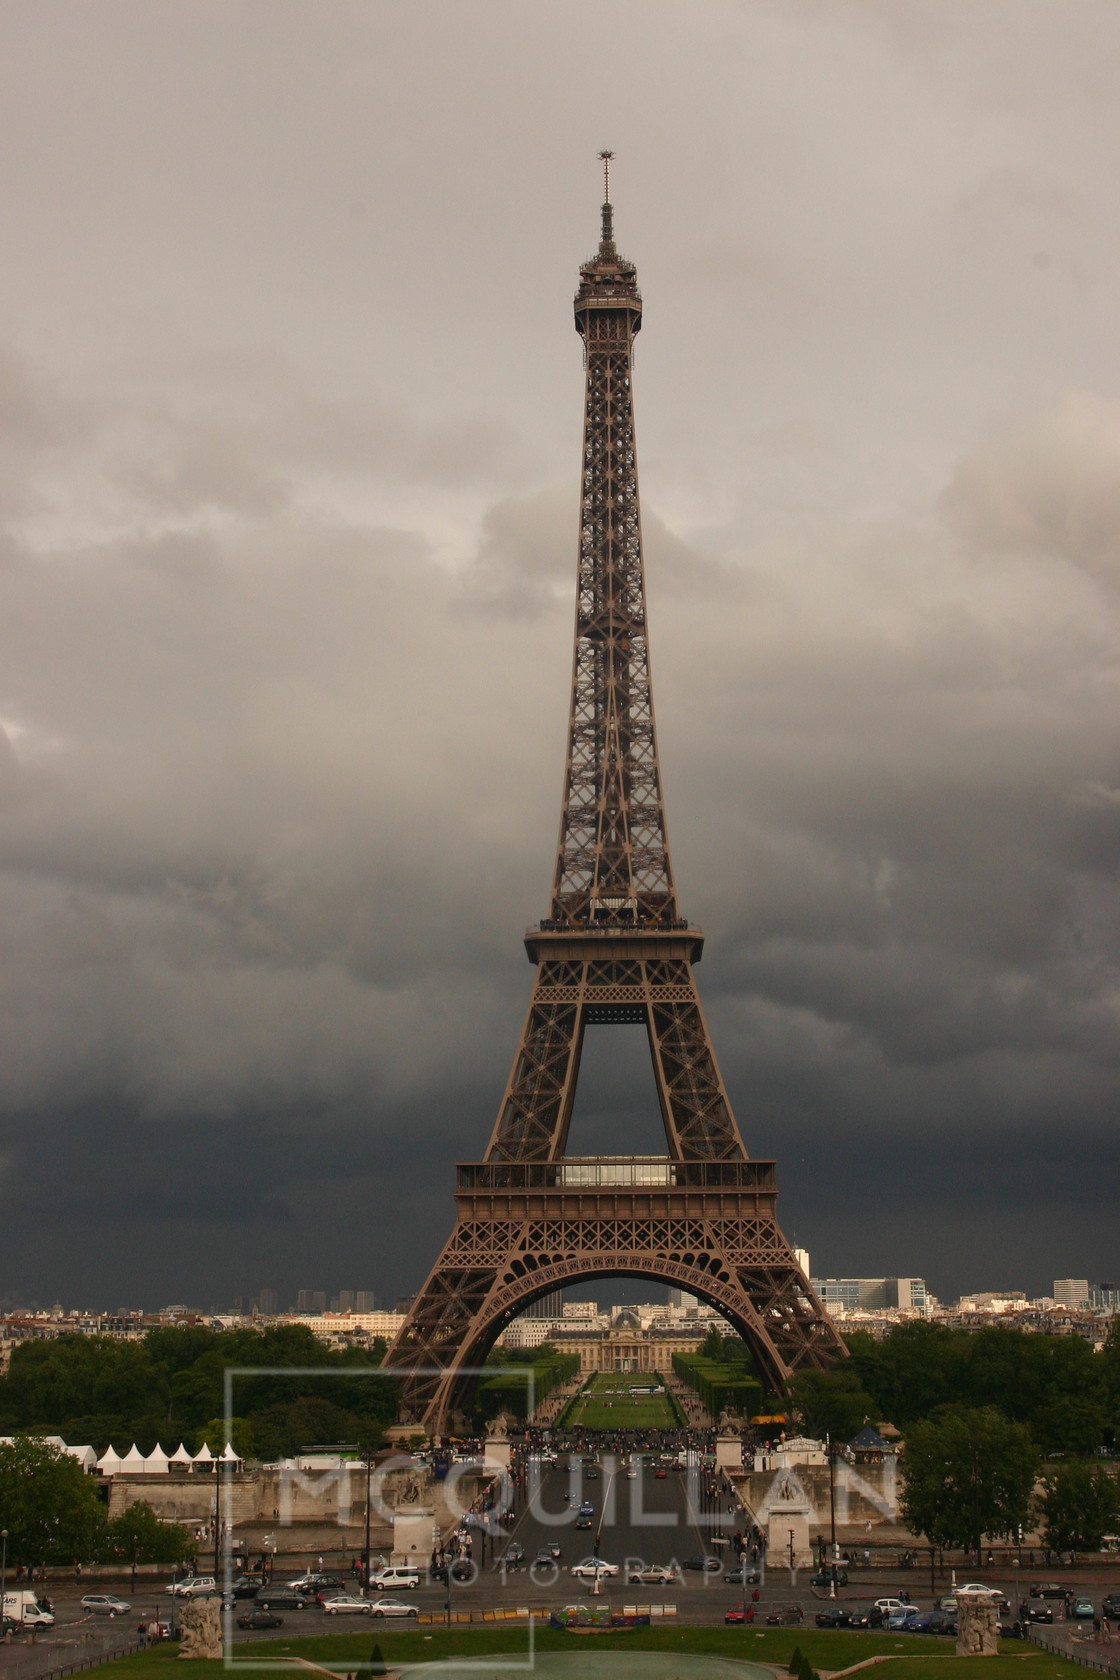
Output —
(105, 1604)
(280, 1598)
(593, 1569)
(1048, 1589)
(1110, 1605)
(392, 1607)
(1040, 1611)
(889, 1606)
(259, 1618)
(346, 1604)
(932, 1621)
(823, 1577)
(840, 1617)
(738, 1617)
(899, 1620)
(1082, 1610)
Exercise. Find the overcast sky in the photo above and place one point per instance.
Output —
(290, 404)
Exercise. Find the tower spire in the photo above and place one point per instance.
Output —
(606, 242)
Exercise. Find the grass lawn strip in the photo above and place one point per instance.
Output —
(606, 1403)
(827, 1651)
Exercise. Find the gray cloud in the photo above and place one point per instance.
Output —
(288, 482)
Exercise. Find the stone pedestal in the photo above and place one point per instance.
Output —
(415, 1536)
(729, 1453)
(200, 1621)
(787, 1531)
(977, 1625)
(498, 1451)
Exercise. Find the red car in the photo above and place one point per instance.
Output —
(659, 1474)
(738, 1616)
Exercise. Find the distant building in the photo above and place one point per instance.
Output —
(311, 1301)
(267, 1303)
(549, 1306)
(801, 1255)
(365, 1300)
(1071, 1292)
(845, 1295)
(1104, 1297)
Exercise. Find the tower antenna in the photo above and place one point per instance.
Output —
(606, 247)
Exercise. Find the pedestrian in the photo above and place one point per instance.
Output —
(1106, 1631)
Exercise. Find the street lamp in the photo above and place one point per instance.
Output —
(3, 1568)
(832, 1513)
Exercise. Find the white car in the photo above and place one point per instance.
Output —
(195, 1586)
(104, 1604)
(593, 1569)
(651, 1575)
(392, 1607)
(347, 1604)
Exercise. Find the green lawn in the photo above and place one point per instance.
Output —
(918, 1659)
(606, 1403)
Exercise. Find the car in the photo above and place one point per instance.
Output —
(280, 1598)
(584, 1522)
(399, 1577)
(704, 1565)
(840, 1616)
(543, 1558)
(461, 1570)
(660, 1473)
(193, 1586)
(1082, 1610)
(593, 1569)
(346, 1604)
(736, 1577)
(1048, 1589)
(889, 1606)
(259, 1619)
(1110, 1605)
(553, 1550)
(105, 1604)
(650, 1574)
(591, 1473)
(246, 1586)
(983, 1587)
(313, 1585)
(1040, 1611)
(737, 1616)
(392, 1607)
(932, 1621)
(898, 1620)
(823, 1577)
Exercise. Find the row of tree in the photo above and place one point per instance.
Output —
(521, 1381)
(53, 1514)
(1065, 1393)
(723, 1385)
(971, 1473)
(170, 1386)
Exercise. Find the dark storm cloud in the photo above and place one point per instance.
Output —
(285, 597)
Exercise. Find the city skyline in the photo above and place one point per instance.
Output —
(288, 473)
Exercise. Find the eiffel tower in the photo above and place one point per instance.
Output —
(613, 949)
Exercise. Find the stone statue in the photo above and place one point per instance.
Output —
(977, 1625)
(200, 1620)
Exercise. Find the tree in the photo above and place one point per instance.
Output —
(1081, 1502)
(239, 1434)
(47, 1503)
(968, 1472)
(832, 1403)
(137, 1535)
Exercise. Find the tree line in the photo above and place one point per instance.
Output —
(169, 1386)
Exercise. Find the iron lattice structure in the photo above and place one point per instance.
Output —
(613, 949)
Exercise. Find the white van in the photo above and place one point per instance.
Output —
(23, 1607)
(395, 1578)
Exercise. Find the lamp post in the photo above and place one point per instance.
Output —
(832, 1515)
(3, 1568)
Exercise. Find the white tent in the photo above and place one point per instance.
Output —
(181, 1456)
(109, 1462)
(133, 1463)
(203, 1455)
(229, 1456)
(157, 1461)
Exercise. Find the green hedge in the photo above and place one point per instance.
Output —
(508, 1391)
(722, 1388)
